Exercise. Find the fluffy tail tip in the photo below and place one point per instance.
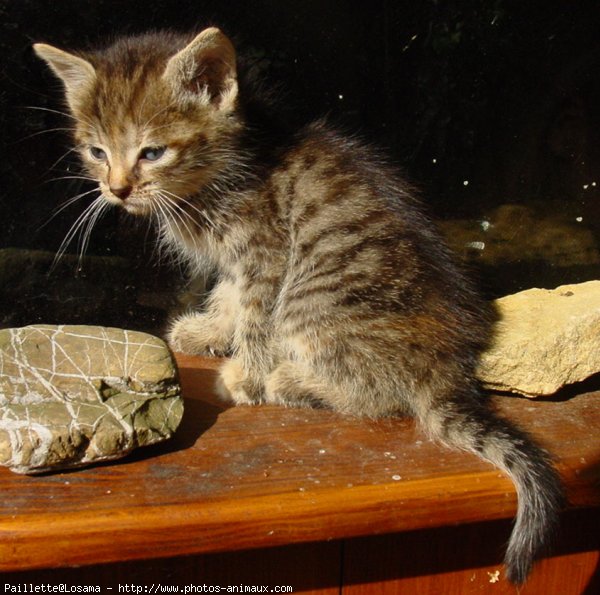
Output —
(537, 522)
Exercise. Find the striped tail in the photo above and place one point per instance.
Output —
(469, 425)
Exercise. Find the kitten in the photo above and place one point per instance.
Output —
(333, 289)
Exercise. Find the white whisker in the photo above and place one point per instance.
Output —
(152, 129)
(71, 150)
(79, 120)
(188, 202)
(92, 211)
(80, 177)
(174, 209)
(140, 108)
(91, 222)
(66, 204)
(40, 132)
(52, 111)
(144, 126)
(169, 229)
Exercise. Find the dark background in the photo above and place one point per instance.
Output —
(491, 106)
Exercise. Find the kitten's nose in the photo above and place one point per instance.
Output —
(121, 192)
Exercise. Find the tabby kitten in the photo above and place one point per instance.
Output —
(333, 289)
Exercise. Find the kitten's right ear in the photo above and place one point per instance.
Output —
(76, 73)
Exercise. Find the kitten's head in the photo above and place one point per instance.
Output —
(156, 116)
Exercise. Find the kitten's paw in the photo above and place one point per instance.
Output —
(195, 333)
(237, 385)
(293, 385)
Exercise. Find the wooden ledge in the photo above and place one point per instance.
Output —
(238, 478)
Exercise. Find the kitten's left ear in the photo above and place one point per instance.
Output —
(205, 70)
(76, 73)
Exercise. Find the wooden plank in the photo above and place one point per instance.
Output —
(468, 560)
(249, 477)
(311, 569)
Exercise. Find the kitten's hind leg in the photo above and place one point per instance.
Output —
(294, 384)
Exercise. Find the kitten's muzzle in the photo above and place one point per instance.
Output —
(121, 192)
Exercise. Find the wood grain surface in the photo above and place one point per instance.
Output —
(250, 477)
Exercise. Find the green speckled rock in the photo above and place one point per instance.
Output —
(73, 395)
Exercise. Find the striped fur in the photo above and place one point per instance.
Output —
(333, 288)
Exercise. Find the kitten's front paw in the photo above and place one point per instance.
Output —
(237, 385)
(197, 334)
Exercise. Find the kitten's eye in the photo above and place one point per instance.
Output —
(152, 153)
(98, 153)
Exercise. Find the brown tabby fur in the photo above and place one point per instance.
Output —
(333, 289)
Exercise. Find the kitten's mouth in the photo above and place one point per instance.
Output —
(136, 206)
(131, 204)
